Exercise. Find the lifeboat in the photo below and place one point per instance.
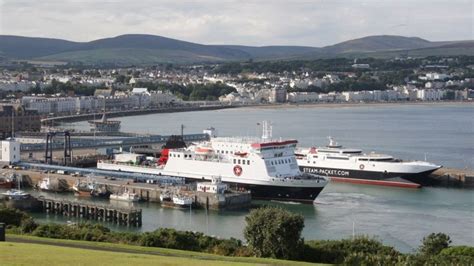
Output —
(241, 154)
(203, 150)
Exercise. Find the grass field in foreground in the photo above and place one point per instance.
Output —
(44, 251)
(40, 254)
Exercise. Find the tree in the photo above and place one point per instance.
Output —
(434, 243)
(274, 232)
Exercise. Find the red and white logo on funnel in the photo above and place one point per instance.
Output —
(237, 170)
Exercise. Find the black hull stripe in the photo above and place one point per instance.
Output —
(419, 178)
(268, 192)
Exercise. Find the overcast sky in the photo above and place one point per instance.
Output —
(265, 22)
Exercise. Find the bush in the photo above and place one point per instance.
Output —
(227, 247)
(434, 243)
(50, 231)
(458, 251)
(82, 231)
(28, 225)
(12, 217)
(274, 232)
(336, 251)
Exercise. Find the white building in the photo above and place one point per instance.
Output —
(10, 151)
(434, 76)
(216, 186)
(160, 98)
(361, 66)
(430, 95)
(434, 85)
(16, 85)
(297, 97)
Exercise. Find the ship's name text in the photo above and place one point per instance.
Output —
(328, 172)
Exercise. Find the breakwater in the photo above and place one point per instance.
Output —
(111, 114)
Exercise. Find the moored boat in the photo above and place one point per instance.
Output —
(353, 166)
(265, 166)
(16, 194)
(125, 196)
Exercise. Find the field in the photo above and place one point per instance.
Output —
(21, 250)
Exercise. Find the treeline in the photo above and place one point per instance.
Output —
(334, 64)
(338, 64)
(270, 232)
(191, 92)
(65, 88)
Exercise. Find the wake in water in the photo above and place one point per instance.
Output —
(344, 199)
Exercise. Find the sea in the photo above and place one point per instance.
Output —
(438, 133)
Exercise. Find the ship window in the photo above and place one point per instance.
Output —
(248, 162)
(234, 161)
(338, 158)
(238, 161)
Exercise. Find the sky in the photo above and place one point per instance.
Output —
(265, 22)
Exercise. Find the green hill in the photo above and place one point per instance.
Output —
(141, 49)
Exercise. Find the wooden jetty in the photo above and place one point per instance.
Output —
(128, 217)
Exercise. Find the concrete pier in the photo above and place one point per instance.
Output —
(152, 192)
(450, 177)
(128, 217)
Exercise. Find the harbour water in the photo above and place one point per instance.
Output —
(400, 217)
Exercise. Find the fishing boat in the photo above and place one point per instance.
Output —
(125, 196)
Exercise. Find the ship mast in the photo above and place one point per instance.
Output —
(266, 131)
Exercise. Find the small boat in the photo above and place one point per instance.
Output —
(165, 197)
(81, 188)
(16, 194)
(100, 191)
(6, 182)
(181, 201)
(125, 196)
(59, 185)
(90, 188)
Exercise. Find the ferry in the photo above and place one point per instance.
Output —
(353, 166)
(264, 166)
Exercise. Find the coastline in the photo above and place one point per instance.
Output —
(363, 104)
(115, 114)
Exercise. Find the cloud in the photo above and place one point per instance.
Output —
(265, 22)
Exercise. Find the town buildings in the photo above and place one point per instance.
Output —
(16, 118)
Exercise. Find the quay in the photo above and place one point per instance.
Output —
(148, 187)
(450, 177)
(122, 216)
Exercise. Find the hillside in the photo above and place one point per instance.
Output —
(142, 49)
(377, 43)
